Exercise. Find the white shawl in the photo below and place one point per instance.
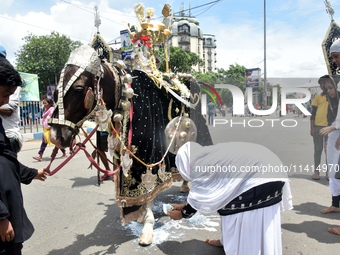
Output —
(214, 187)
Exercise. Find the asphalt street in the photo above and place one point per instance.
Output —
(73, 215)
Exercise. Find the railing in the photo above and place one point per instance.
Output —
(30, 117)
(186, 48)
(184, 40)
(184, 31)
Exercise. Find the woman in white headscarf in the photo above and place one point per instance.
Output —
(333, 147)
(246, 184)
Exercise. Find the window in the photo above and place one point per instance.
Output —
(184, 28)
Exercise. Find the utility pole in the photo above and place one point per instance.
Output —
(265, 58)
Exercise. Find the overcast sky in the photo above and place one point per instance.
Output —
(295, 28)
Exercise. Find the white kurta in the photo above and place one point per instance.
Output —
(256, 232)
(332, 160)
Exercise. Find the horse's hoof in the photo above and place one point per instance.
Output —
(184, 189)
(145, 239)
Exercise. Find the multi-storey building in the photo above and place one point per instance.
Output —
(187, 34)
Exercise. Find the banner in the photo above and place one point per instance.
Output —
(126, 44)
(30, 87)
(253, 77)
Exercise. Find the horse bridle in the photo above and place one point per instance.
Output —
(86, 59)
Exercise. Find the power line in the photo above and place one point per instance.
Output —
(269, 11)
(119, 23)
(202, 5)
(77, 6)
(207, 9)
(39, 27)
(101, 10)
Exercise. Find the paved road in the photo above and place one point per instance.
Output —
(72, 215)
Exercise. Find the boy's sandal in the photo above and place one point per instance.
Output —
(64, 156)
(315, 177)
(37, 158)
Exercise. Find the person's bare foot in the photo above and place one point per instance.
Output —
(330, 209)
(215, 243)
(335, 231)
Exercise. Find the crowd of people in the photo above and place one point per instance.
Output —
(325, 129)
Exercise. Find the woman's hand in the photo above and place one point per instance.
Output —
(326, 130)
(42, 175)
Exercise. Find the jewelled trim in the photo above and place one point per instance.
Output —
(259, 202)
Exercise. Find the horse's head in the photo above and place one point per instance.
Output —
(78, 94)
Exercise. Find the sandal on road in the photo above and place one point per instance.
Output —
(38, 158)
(315, 177)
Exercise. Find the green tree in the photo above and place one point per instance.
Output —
(235, 75)
(180, 60)
(45, 56)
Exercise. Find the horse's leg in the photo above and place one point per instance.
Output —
(184, 188)
(147, 232)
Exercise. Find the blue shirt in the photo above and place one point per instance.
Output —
(211, 107)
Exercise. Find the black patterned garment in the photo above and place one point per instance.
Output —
(151, 110)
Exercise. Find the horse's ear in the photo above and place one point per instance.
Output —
(55, 96)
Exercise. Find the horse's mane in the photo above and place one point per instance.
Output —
(115, 75)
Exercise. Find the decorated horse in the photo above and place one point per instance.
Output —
(148, 115)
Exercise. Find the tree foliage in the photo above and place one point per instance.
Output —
(45, 56)
(180, 60)
(235, 75)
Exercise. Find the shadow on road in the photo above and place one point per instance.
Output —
(79, 181)
(314, 209)
(109, 235)
(322, 181)
(108, 232)
(317, 230)
(189, 247)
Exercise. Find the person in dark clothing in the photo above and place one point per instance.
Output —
(318, 120)
(15, 227)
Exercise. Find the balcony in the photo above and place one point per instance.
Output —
(186, 48)
(184, 31)
(185, 39)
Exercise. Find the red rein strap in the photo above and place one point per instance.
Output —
(78, 147)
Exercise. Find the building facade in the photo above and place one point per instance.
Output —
(186, 34)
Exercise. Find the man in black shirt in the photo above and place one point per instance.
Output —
(15, 227)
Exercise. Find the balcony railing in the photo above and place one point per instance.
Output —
(183, 31)
(184, 40)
